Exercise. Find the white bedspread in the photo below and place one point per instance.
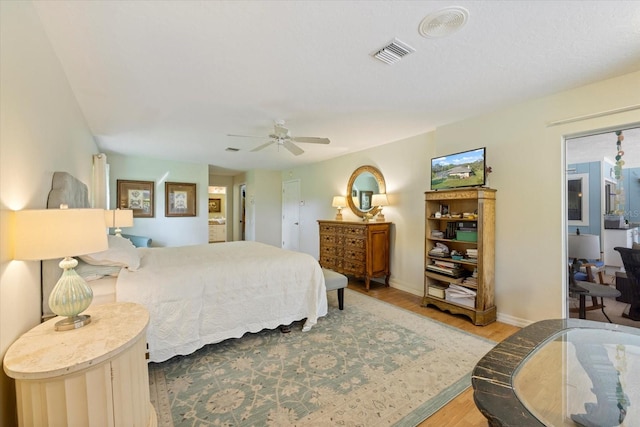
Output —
(203, 294)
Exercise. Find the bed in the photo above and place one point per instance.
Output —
(202, 294)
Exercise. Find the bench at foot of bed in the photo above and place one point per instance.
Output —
(333, 281)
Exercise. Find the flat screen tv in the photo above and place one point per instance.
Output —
(465, 169)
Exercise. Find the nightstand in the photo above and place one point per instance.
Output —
(96, 375)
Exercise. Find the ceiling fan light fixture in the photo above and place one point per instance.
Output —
(443, 22)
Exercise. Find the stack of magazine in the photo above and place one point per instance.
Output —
(460, 295)
(446, 267)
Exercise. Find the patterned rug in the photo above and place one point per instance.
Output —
(371, 364)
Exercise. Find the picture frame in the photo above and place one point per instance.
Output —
(214, 205)
(137, 196)
(365, 200)
(180, 199)
(444, 210)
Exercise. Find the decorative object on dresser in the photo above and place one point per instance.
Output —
(380, 200)
(363, 184)
(53, 233)
(136, 195)
(339, 202)
(90, 376)
(180, 199)
(118, 218)
(460, 252)
(356, 249)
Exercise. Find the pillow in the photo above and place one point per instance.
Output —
(121, 253)
(94, 272)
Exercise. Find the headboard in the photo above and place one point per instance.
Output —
(65, 189)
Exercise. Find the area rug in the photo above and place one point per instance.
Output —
(371, 364)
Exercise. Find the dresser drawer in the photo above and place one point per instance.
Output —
(329, 229)
(354, 231)
(332, 251)
(331, 262)
(354, 243)
(355, 267)
(355, 254)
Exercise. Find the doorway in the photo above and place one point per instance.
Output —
(291, 215)
(603, 183)
(242, 216)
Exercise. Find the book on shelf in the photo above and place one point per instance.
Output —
(453, 272)
(437, 290)
(445, 264)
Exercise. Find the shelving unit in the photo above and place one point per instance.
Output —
(469, 209)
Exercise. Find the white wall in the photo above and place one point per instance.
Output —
(264, 207)
(41, 131)
(164, 231)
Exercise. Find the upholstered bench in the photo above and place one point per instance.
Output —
(333, 281)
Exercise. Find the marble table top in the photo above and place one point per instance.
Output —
(44, 352)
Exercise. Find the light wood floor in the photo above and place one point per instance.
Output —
(461, 411)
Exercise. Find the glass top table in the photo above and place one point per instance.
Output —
(565, 372)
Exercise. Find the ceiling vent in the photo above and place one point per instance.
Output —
(393, 52)
(232, 149)
(443, 22)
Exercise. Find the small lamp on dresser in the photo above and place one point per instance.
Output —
(42, 234)
(118, 218)
(380, 200)
(339, 202)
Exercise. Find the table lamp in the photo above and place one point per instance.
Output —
(42, 234)
(379, 200)
(118, 218)
(339, 202)
(583, 247)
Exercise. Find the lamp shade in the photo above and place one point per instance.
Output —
(339, 202)
(584, 246)
(379, 200)
(57, 233)
(118, 218)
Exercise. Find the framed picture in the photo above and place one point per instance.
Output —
(136, 195)
(214, 205)
(444, 210)
(180, 199)
(365, 200)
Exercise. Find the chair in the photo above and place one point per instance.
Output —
(585, 261)
(631, 262)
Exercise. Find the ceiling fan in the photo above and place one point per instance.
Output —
(282, 137)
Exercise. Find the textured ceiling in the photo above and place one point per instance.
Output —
(170, 79)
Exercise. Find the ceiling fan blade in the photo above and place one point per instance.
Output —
(295, 150)
(311, 139)
(247, 136)
(260, 147)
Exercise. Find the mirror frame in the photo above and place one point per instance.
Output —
(382, 188)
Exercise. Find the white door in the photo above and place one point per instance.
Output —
(291, 215)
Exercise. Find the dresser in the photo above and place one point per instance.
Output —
(92, 376)
(358, 249)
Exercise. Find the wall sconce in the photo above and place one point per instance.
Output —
(118, 218)
(380, 200)
(339, 202)
(57, 233)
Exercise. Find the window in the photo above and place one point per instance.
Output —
(578, 199)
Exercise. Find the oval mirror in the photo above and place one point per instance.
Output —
(363, 184)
